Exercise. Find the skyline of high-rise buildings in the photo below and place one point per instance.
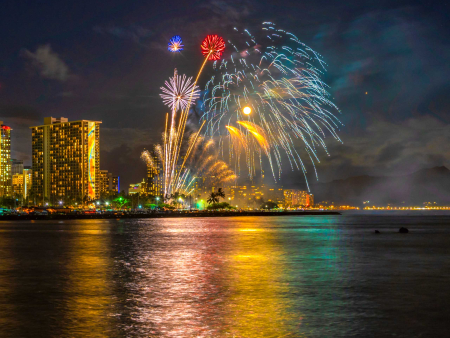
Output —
(66, 166)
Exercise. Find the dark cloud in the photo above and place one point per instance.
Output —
(48, 63)
(135, 138)
(392, 55)
(389, 148)
(135, 33)
(125, 162)
(20, 118)
(232, 11)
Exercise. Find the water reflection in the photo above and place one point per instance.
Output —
(258, 304)
(176, 284)
(8, 313)
(242, 278)
(208, 278)
(87, 289)
(234, 277)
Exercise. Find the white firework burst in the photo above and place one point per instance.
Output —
(178, 90)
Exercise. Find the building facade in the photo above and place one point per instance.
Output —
(116, 184)
(16, 166)
(298, 198)
(22, 183)
(276, 195)
(136, 188)
(5, 161)
(66, 160)
(108, 183)
(154, 180)
(246, 196)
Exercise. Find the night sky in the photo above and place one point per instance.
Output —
(106, 60)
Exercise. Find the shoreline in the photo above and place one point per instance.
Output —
(168, 215)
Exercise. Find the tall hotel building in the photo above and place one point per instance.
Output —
(154, 185)
(66, 160)
(5, 160)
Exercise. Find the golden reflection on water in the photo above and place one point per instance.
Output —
(87, 309)
(258, 305)
(209, 279)
(7, 308)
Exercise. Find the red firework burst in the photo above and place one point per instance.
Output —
(213, 47)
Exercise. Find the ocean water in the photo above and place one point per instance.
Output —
(312, 276)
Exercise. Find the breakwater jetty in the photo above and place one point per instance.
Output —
(173, 214)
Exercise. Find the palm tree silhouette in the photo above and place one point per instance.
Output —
(214, 196)
(220, 193)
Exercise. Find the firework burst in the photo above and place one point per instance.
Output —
(213, 47)
(177, 91)
(175, 44)
(277, 79)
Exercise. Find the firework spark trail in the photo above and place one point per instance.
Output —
(212, 48)
(179, 92)
(260, 136)
(147, 158)
(290, 104)
(190, 148)
(179, 177)
(205, 165)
